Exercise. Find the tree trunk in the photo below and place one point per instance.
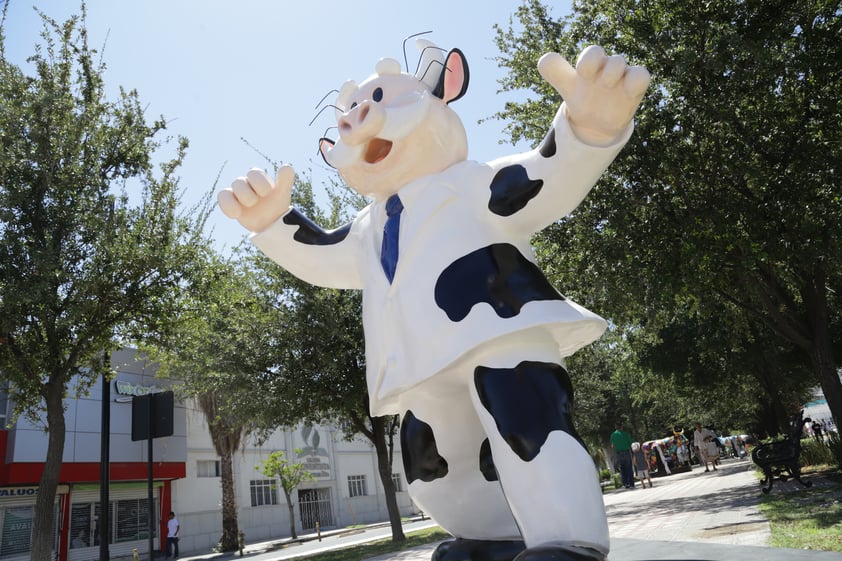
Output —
(293, 534)
(230, 524)
(226, 439)
(42, 530)
(821, 351)
(826, 373)
(774, 416)
(384, 467)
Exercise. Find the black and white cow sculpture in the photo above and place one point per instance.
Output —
(465, 337)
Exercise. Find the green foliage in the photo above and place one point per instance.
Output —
(290, 474)
(93, 248)
(815, 453)
(834, 444)
(825, 453)
(218, 344)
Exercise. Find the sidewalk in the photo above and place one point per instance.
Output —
(696, 515)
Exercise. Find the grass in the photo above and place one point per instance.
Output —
(381, 547)
(803, 518)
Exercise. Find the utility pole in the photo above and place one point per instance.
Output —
(105, 461)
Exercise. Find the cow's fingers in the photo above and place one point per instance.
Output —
(636, 81)
(555, 69)
(613, 71)
(259, 182)
(591, 62)
(228, 204)
(244, 193)
(285, 177)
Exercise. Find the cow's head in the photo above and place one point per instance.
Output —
(395, 127)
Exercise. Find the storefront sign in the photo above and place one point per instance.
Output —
(29, 491)
(18, 492)
(131, 390)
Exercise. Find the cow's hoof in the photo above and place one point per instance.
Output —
(477, 550)
(560, 553)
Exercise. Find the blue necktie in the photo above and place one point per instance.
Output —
(389, 249)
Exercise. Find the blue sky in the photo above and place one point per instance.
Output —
(220, 71)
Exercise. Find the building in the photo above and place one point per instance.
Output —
(23, 447)
(185, 476)
(346, 491)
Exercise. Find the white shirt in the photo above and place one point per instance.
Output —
(172, 528)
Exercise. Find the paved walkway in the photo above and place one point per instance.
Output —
(689, 516)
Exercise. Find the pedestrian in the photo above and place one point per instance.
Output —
(621, 441)
(733, 442)
(172, 536)
(817, 431)
(641, 466)
(706, 448)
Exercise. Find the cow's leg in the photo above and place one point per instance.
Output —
(449, 472)
(522, 395)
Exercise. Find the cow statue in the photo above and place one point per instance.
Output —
(465, 337)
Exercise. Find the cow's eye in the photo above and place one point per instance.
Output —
(377, 94)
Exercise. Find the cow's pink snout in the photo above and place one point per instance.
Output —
(361, 123)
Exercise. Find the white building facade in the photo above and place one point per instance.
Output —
(346, 491)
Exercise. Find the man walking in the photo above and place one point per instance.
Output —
(172, 536)
(621, 441)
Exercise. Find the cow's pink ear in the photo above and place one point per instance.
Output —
(453, 82)
(325, 144)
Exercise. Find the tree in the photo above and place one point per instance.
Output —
(290, 475)
(83, 266)
(728, 192)
(216, 345)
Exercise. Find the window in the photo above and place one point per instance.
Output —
(128, 521)
(263, 492)
(207, 468)
(396, 479)
(356, 486)
(80, 526)
(132, 520)
(17, 530)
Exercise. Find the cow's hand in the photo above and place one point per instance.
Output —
(254, 201)
(601, 94)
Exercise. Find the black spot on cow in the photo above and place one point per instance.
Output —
(421, 458)
(548, 146)
(527, 402)
(486, 462)
(498, 275)
(511, 189)
(311, 233)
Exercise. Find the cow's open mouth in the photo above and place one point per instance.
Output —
(376, 150)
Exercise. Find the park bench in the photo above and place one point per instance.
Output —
(780, 460)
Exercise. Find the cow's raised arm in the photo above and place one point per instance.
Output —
(601, 93)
